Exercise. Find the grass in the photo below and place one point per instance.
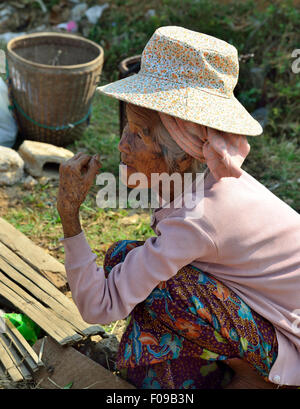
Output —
(276, 164)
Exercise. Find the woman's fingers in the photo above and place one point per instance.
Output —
(79, 164)
(82, 160)
(73, 162)
(83, 166)
(93, 168)
(76, 178)
(77, 155)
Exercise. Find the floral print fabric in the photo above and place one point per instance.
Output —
(191, 76)
(179, 336)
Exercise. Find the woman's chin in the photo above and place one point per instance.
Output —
(125, 173)
(139, 181)
(130, 169)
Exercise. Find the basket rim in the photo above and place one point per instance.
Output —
(54, 34)
(123, 65)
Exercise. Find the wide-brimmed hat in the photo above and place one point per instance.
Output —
(191, 76)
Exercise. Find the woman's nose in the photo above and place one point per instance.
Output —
(124, 141)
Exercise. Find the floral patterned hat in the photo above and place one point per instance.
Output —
(191, 76)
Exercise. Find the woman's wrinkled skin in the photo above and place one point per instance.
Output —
(137, 148)
(76, 177)
(138, 151)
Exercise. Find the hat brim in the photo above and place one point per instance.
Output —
(185, 102)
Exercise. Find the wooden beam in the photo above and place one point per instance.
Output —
(11, 329)
(44, 317)
(34, 255)
(71, 366)
(18, 341)
(60, 310)
(15, 357)
(9, 365)
(42, 289)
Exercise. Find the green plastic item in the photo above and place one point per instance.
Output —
(28, 328)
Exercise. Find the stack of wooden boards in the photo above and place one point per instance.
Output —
(27, 278)
(19, 360)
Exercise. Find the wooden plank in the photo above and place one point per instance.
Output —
(45, 318)
(19, 264)
(17, 360)
(9, 365)
(26, 358)
(43, 289)
(3, 377)
(34, 290)
(23, 352)
(22, 341)
(58, 307)
(33, 310)
(34, 255)
(69, 365)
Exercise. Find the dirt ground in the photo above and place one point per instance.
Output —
(9, 196)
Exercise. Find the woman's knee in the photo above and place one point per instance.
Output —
(117, 252)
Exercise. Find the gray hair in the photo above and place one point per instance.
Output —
(172, 152)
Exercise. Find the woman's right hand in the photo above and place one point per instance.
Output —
(76, 178)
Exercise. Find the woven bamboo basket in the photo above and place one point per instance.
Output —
(53, 78)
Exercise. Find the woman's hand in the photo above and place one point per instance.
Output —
(76, 176)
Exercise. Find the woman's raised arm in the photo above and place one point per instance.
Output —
(76, 178)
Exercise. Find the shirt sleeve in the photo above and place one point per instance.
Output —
(103, 300)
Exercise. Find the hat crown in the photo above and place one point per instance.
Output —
(192, 59)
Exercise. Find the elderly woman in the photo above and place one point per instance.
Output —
(220, 279)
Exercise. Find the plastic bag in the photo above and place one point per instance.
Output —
(28, 328)
(8, 125)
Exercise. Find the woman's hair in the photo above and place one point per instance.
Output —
(172, 153)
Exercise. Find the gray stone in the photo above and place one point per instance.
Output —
(29, 182)
(43, 159)
(104, 351)
(11, 166)
(109, 346)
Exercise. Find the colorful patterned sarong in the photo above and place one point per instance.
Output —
(178, 337)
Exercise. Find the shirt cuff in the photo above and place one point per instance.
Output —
(77, 251)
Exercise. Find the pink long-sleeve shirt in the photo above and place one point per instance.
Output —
(240, 232)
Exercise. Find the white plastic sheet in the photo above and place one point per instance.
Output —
(8, 126)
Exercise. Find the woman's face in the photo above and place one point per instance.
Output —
(138, 149)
